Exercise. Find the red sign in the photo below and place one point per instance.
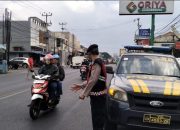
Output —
(177, 45)
(143, 42)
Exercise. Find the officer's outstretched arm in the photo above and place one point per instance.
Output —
(95, 73)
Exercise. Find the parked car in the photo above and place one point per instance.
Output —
(21, 61)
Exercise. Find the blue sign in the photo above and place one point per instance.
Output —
(144, 32)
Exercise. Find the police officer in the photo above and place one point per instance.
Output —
(95, 87)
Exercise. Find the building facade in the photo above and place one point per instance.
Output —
(28, 38)
(33, 37)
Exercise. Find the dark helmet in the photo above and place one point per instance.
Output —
(93, 49)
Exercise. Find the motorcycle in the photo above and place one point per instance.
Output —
(40, 96)
(84, 71)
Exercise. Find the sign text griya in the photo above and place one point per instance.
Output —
(146, 6)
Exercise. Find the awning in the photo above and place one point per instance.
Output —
(29, 52)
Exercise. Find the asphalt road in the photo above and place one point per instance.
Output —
(71, 113)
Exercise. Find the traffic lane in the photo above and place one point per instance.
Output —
(15, 112)
(14, 82)
(71, 113)
(17, 81)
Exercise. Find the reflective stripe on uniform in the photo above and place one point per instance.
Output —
(102, 78)
(98, 93)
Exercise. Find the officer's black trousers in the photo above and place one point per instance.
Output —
(98, 111)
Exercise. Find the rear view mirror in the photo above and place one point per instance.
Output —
(109, 70)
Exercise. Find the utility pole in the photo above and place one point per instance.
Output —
(8, 32)
(63, 41)
(3, 35)
(47, 24)
(47, 15)
(152, 29)
(138, 24)
(3, 30)
(54, 44)
(62, 26)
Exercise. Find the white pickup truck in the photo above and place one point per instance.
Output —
(77, 61)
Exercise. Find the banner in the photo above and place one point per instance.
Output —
(146, 7)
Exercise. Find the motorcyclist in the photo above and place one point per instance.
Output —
(50, 69)
(86, 63)
(61, 74)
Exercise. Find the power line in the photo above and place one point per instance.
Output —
(22, 29)
(26, 6)
(16, 22)
(168, 24)
(27, 28)
(103, 27)
(34, 5)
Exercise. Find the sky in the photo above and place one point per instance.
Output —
(93, 22)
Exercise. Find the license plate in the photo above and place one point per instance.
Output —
(157, 119)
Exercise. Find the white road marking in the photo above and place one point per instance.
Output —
(14, 94)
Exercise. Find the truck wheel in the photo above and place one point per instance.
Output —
(110, 125)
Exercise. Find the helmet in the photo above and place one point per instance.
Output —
(56, 56)
(48, 58)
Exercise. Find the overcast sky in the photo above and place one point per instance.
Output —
(91, 21)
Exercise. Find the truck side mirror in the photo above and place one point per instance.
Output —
(109, 70)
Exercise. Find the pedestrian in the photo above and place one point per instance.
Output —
(30, 65)
(95, 88)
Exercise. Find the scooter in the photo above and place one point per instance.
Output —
(83, 71)
(40, 96)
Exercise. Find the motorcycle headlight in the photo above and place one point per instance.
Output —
(117, 93)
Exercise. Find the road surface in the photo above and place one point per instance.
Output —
(71, 113)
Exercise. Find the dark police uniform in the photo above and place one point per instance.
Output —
(96, 89)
